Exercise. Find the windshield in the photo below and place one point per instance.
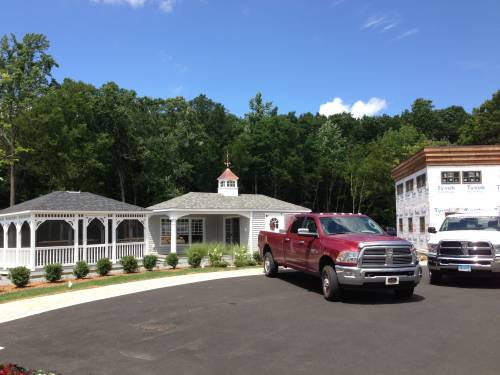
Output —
(471, 223)
(355, 224)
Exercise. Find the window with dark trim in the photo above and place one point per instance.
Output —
(450, 177)
(400, 224)
(421, 181)
(399, 189)
(409, 185)
(471, 177)
(410, 224)
(297, 224)
(422, 224)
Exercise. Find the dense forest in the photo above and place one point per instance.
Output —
(71, 135)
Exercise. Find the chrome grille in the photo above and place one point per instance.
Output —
(386, 256)
(465, 248)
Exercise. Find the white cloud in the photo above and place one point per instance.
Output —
(408, 33)
(374, 22)
(167, 6)
(357, 110)
(132, 3)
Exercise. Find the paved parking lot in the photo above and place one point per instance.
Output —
(255, 325)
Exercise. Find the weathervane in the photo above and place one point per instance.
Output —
(227, 163)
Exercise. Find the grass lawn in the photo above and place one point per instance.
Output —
(62, 286)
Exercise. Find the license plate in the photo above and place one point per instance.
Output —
(464, 268)
(392, 280)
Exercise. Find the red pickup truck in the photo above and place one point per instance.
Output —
(346, 250)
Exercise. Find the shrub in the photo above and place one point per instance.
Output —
(20, 276)
(257, 257)
(53, 272)
(81, 269)
(200, 248)
(149, 261)
(194, 258)
(241, 256)
(172, 260)
(103, 266)
(129, 264)
(215, 257)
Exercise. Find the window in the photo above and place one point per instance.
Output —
(410, 224)
(222, 183)
(422, 224)
(399, 189)
(349, 224)
(297, 224)
(231, 184)
(421, 181)
(471, 177)
(189, 231)
(400, 223)
(409, 185)
(311, 225)
(450, 177)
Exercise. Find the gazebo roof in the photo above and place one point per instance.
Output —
(72, 201)
(228, 174)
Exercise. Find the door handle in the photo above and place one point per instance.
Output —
(287, 240)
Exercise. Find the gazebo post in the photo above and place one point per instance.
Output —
(18, 241)
(32, 243)
(113, 239)
(76, 235)
(5, 243)
(106, 235)
(146, 235)
(84, 236)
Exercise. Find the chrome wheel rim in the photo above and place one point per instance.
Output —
(267, 264)
(326, 285)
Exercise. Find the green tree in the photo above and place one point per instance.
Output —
(25, 74)
(484, 125)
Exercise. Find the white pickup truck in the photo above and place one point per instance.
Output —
(468, 243)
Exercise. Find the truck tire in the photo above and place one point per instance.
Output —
(332, 290)
(404, 293)
(270, 266)
(435, 277)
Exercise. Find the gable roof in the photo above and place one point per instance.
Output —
(228, 175)
(214, 201)
(73, 202)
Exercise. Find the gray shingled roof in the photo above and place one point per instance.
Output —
(72, 201)
(208, 201)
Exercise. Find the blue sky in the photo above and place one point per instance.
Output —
(299, 54)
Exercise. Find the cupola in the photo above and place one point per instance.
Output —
(228, 181)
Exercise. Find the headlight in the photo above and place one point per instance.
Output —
(348, 257)
(432, 247)
(497, 249)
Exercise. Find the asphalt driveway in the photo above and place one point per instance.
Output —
(255, 325)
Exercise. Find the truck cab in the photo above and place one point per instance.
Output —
(465, 243)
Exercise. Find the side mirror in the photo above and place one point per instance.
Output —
(305, 232)
(431, 230)
(391, 231)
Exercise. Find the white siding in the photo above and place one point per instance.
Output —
(258, 224)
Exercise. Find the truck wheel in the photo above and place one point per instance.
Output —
(404, 293)
(330, 283)
(435, 277)
(270, 266)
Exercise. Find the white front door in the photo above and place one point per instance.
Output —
(232, 230)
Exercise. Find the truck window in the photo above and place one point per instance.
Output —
(297, 224)
(310, 224)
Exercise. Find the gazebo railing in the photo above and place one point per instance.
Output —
(94, 253)
(11, 259)
(135, 249)
(64, 255)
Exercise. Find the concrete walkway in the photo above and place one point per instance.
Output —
(23, 308)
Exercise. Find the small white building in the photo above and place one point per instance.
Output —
(224, 217)
(441, 180)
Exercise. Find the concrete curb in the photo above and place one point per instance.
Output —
(23, 308)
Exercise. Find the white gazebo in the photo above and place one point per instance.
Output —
(65, 227)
